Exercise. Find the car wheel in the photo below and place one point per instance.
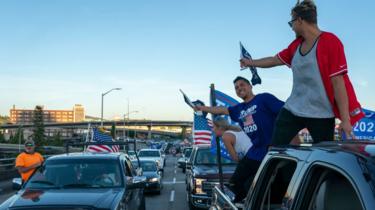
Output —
(183, 170)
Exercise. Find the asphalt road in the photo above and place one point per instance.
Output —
(173, 194)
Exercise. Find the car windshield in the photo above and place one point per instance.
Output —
(77, 173)
(205, 157)
(149, 153)
(148, 166)
(188, 152)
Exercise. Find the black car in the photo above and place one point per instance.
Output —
(202, 174)
(153, 175)
(82, 181)
(181, 162)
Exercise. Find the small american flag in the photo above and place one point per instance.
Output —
(202, 130)
(99, 136)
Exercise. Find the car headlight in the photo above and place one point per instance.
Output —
(198, 185)
(155, 179)
(157, 162)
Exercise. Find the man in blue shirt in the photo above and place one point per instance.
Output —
(256, 115)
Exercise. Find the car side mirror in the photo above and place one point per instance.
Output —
(16, 183)
(188, 165)
(136, 182)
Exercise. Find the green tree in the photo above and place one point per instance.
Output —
(57, 141)
(38, 130)
(18, 137)
(113, 131)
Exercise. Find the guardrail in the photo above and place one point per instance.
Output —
(7, 169)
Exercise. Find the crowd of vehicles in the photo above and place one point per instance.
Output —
(328, 175)
(91, 180)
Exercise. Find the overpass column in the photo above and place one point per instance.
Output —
(149, 133)
(183, 132)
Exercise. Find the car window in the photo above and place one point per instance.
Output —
(148, 153)
(129, 169)
(77, 173)
(327, 188)
(273, 183)
(187, 152)
(148, 166)
(206, 157)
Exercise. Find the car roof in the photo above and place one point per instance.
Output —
(361, 148)
(149, 150)
(88, 155)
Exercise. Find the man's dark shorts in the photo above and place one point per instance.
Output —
(288, 125)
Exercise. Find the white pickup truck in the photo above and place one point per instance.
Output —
(153, 154)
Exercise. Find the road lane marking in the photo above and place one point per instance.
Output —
(175, 171)
(172, 196)
(174, 180)
(170, 182)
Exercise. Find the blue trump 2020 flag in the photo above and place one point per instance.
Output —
(255, 77)
(222, 99)
(365, 128)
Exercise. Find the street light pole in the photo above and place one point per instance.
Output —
(103, 94)
(127, 120)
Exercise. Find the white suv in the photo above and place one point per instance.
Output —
(152, 154)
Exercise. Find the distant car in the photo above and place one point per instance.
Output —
(153, 175)
(152, 154)
(181, 162)
(81, 181)
(132, 154)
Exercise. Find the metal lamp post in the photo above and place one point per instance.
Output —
(103, 94)
(127, 115)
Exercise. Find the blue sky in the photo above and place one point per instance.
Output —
(64, 52)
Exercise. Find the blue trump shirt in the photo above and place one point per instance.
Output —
(257, 118)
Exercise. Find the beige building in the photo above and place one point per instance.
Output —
(25, 116)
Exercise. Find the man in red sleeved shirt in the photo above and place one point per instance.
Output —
(321, 87)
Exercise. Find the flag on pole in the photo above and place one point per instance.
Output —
(187, 100)
(255, 77)
(202, 132)
(222, 99)
(100, 136)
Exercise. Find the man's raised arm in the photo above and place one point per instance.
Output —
(266, 62)
(217, 110)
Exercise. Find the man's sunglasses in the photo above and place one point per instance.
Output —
(29, 145)
(290, 23)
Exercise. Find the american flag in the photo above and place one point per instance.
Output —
(202, 130)
(99, 136)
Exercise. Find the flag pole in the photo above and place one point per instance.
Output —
(87, 136)
(218, 149)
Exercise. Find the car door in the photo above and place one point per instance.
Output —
(134, 197)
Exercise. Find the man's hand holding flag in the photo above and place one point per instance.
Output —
(246, 56)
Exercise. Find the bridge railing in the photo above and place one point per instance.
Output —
(7, 169)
